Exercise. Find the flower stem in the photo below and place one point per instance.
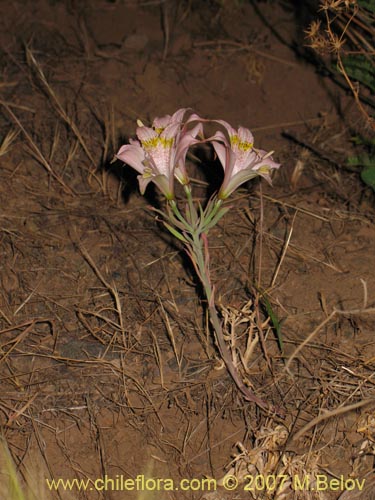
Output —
(201, 257)
(194, 229)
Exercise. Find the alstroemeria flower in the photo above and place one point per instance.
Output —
(159, 154)
(240, 160)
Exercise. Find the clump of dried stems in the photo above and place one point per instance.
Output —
(346, 28)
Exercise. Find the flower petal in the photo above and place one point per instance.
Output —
(234, 182)
(245, 136)
(146, 134)
(185, 141)
(197, 130)
(230, 130)
(171, 131)
(178, 115)
(143, 183)
(133, 155)
(222, 152)
(165, 185)
(163, 122)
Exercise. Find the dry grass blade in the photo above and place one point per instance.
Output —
(282, 125)
(304, 254)
(297, 208)
(369, 310)
(20, 337)
(97, 437)
(283, 253)
(110, 143)
(110, 287)
(318, 151)
(27, 298)
(166, 27)
(17, 413)
(36, 151)
(143, 391)
(58, 106)
(158, 358)
(43, 452)
(329, 414)
(71, 154)
(55, 143)
(240, 46)
(7, 142)
(170, 333)
(308, 339)
(7, 84)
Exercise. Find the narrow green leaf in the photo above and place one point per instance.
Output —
(364, 160)
(367, 4)
(368, 176)
(361, 69)
(366, 141)
(275, 322)
(175, 232)
(211, 223)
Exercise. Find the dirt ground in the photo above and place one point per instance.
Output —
(108, 367)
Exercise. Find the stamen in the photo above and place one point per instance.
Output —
(147, 173)
(242, 145)
(157, 141)
(264, 169)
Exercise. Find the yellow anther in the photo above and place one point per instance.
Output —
(157, 141)
(147, 173)
(243, 145)
(264, 169)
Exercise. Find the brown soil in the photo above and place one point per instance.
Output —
(107, 364)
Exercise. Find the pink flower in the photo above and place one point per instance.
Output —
(240, 160)
(159, 155)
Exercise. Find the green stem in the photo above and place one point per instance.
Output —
(180, 217)
(202, 266)
(192, 215)
(201, 260)
(194, 231)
